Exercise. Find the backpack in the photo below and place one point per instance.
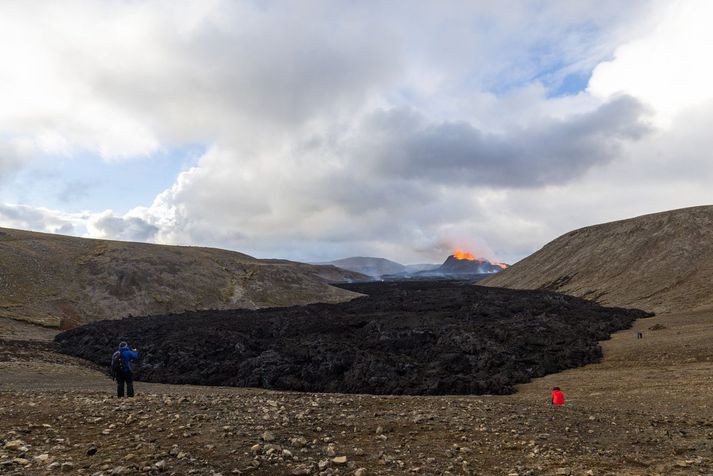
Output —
(117, 364)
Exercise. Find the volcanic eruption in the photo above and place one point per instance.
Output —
(465, 262)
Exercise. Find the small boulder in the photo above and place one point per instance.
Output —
(301, 470)
(299, 442)
(14, 445)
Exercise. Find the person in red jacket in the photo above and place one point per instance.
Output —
(557, 397)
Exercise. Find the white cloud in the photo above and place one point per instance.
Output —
(669, 68)
(332, 129)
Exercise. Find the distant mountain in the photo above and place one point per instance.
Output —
(374, 267)
(661, 262)
(459, 265)
(455, 265)
(63, 281)
(415, 268)
(462, 265)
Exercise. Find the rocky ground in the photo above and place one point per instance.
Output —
(646, 409)
(415, 338)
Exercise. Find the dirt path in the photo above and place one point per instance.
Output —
(646, 409)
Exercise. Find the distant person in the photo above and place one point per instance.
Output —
(557, 397)
(121, 369)
(639, 335)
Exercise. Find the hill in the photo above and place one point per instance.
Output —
(455, 265)
(460, 265)
(369, 266)
(61, 281)
(661, 262)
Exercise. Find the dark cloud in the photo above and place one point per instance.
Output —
(125, 228)
(37, 219)
(403, 143)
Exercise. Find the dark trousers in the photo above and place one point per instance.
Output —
(128, 378)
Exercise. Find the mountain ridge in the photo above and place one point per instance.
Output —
(61, 281)
(661, 262)
(368, 265)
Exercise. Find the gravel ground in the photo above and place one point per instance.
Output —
(646, 409)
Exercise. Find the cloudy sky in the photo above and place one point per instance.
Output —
(316, 130)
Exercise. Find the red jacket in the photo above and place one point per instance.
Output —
(557, 397)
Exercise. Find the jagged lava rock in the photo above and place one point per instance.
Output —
(403, 338)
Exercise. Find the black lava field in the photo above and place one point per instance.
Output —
(402, 338)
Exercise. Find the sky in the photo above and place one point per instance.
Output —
(318, 130)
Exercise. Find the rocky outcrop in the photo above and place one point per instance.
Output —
(403, 338)
(661, 262)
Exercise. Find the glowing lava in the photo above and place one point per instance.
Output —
(468, 256)
(464, 255)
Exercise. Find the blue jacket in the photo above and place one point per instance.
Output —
(127, 355)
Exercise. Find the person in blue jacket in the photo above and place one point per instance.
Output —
(122, 371)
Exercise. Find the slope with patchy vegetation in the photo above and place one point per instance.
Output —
(661, 262)
(62, 281)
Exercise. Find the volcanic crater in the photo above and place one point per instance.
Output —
(419, 338)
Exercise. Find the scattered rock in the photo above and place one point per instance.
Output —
(301, 470)
(15, 445)
(299, 442)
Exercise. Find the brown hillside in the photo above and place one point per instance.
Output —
(61, 281)
(661, 262)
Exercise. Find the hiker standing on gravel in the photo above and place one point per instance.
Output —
(121, 369)
(557, 397)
